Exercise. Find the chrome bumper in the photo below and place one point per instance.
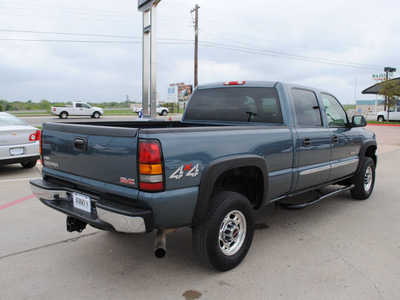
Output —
(121, 218)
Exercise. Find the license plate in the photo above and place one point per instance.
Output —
(17, 151)
(82, 202)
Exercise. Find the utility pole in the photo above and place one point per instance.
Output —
(196, 43)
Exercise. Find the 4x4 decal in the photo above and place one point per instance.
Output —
(180, 172)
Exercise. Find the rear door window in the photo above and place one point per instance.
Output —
(306, 108)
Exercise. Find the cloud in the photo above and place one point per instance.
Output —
(330, 45)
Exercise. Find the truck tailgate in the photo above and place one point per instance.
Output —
(104, 153)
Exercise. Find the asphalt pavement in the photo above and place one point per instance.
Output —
(337, 249)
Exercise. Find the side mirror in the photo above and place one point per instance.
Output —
(359, 121)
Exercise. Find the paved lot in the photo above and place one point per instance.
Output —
(337, 249)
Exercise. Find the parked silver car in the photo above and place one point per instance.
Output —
(19, 142)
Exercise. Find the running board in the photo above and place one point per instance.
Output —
(323, 197)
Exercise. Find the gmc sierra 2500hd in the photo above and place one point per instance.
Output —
(239, 146)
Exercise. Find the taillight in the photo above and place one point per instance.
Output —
(151, 173)
(35, 136)
(235, 83)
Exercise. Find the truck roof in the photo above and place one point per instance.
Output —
(238, 83)
(252, 83)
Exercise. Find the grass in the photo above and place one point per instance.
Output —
(125, 112)
(383, 123)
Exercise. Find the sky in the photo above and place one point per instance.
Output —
(91, 50)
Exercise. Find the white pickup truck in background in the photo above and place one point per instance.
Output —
(162, 111)
(77, 109)
(394, 114)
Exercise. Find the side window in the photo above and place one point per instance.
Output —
(398, 108)
(78, 105)
(337, 117)
(306, 108)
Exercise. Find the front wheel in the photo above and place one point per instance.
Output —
(96, 115)
(364, 180)
(381, 119)
(224, 236)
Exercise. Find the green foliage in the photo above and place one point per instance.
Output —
(391, 90)
(46, 105)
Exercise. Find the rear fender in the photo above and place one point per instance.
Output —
(214, 170)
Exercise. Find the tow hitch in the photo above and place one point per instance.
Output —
(74, 224)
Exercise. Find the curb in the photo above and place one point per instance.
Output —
(392, 125)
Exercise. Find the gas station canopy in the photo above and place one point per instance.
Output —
(377, 87)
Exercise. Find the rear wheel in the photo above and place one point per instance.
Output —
(224, 236)
(29, 164)
(364, 181)
(381, 119)
(64, 115)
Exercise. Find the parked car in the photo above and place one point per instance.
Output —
(77, 109)
(394, 114)
(162, 111)
(19, 142)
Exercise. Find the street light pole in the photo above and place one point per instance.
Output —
(387, 70)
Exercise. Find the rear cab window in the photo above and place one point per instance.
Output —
(235, 104)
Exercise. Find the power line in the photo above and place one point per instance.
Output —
(290, 56)
(169, 42)
(185, 41)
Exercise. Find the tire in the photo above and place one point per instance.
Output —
(29, 164)
(96, 115)
(224, 236)
(364, 180)
(164, 113)
(64, 115)
(381, 119)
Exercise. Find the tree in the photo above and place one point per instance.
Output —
(391, 90)
(44, 104)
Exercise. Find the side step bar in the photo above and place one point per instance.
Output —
(323, 197)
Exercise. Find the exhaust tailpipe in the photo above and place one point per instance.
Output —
(161, 242)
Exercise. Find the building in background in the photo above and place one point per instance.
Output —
(368, 107)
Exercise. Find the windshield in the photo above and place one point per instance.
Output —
(6, 120)
(237, 104)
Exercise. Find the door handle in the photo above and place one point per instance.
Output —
(80, 144)
(306, 142)
(335, 139)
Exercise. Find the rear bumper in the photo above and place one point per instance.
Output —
(19, 159)
(105, 214)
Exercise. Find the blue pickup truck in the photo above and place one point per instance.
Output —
(239, 146)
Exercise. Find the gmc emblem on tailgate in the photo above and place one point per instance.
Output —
(127, 180)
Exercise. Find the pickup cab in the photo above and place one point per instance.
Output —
(77, 109)
(393, 114)
(238, 147)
